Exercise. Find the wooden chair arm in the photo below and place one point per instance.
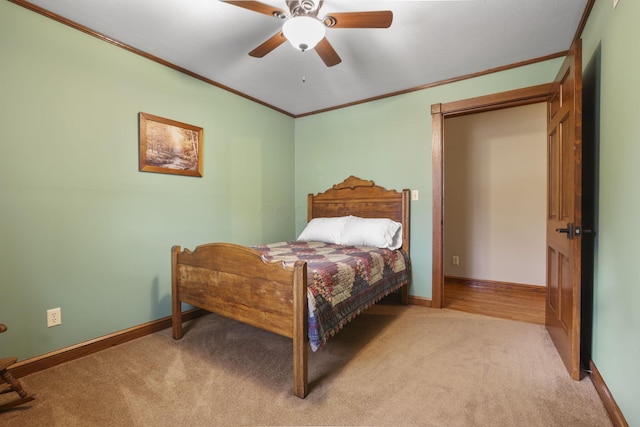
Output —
(3, 327)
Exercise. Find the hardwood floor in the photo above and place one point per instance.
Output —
(524, 303)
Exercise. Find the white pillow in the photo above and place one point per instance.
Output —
(327, 230)
(378, 232)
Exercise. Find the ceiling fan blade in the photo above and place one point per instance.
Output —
(327, 53)
(266, 47)
(256, 6)
(379, 19)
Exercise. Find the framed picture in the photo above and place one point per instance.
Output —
(167, 146)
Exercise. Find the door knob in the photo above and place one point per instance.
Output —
(569, 230)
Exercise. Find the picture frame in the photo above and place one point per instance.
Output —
(168, 146)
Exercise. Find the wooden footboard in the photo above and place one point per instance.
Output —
(234, 281)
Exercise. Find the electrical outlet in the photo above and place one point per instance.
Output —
(455, 260)
(415, 195)
(54, 317)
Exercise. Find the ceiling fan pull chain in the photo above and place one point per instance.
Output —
(304, 78)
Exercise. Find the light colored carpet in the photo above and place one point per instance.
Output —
(392, 366)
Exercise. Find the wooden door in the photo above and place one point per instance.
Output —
(564, 210)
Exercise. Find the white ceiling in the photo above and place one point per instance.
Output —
(429, 41)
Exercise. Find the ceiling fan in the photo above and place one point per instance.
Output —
(305, 29)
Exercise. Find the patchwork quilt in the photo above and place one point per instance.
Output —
(342, 280)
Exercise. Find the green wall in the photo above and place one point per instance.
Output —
(389, 141)
(616, 340)
(81, 228)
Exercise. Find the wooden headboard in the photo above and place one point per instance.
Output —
(359, 197)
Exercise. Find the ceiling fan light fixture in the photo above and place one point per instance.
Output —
(303, 32)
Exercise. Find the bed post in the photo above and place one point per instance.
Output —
(176, 305)
(300, 329)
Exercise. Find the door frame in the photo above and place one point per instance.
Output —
(440, 112)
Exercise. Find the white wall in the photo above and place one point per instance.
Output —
(495, 195)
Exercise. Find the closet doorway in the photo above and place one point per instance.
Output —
(440, 112)
(495, 180)
(563, 308)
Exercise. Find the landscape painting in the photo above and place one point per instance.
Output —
(168, 146)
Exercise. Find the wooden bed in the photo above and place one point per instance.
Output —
(234, 281)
